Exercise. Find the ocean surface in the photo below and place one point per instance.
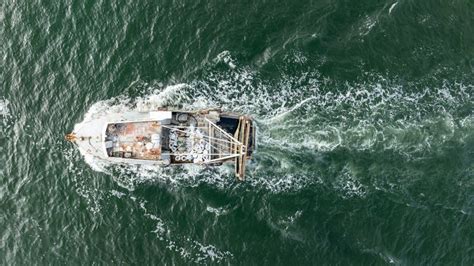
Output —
(365, 132)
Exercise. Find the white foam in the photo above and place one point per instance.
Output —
(367, 25)
(348, 185)
(117, 194)
(82, 182)
(392, 7)
(210, 252)
(188, 248)
(5, 116)
(4, 107)
(218, 211)
(169, 96)
(226, 58)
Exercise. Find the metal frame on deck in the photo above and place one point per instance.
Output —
(238, 143)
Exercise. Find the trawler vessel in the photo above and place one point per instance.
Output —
(166, 137)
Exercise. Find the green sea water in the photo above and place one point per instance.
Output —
(365, 132)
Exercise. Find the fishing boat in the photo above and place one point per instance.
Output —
(166, 137)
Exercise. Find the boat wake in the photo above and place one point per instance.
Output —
(303, 120)
(312, 133)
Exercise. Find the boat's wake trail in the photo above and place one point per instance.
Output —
(373, 118)
(303, 119)
(311, 132)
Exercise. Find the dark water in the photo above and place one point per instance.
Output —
(366, 132)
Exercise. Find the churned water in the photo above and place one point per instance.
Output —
(365, 142)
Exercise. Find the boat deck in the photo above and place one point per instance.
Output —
(181, 138)
(137, 140)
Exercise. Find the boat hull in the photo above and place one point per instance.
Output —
(167, 137)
